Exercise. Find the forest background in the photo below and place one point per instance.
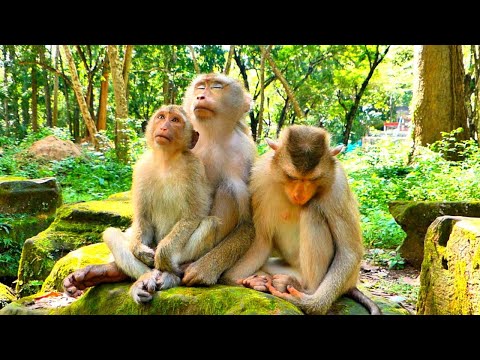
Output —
(101, 97)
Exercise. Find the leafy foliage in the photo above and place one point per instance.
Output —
(380, 173)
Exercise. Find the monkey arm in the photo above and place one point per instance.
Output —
(169, 249)
(141, 242)
(344, 268)
(234, 234)
(251, 261)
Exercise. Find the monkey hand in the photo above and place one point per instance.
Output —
(256, 282)
(142, 289)
(281, 282)
(292, 295)
(164, 261)
(145, 254)
(196, 274)
(168, 280)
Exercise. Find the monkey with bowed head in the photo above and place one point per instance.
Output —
(304, 209)
(171, 199)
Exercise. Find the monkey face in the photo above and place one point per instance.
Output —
(300, 191)
(216, 95)
(166, 127)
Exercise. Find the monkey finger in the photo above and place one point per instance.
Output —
(294, 291)
(261, 288)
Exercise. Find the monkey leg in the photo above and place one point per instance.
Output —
(92, 275)
(208, 269)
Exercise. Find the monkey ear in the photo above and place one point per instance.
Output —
(337, 150)
(272, 144)
(195, 136)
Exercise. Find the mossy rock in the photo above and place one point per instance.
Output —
(219, 299)
(75, 225)
(31, 196)
(7, 295)
(450, 276)
(416, 216)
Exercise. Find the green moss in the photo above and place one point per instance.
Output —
(12, 178)
(6, 295)
(75, 226)
(86, 255)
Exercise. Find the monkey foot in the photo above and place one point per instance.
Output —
(256, 282)
(91, 275)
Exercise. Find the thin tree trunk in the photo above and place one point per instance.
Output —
(127, 62)
(280, 77)
(229, 60)
(121, 106)
(55, 88)
(194, 59)
(102, 106)
(48, 103)
(258, 135)
(34, 99)
(5, 84)
(77, 88)
(352, 112)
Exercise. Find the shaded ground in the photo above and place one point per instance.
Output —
(398, 285)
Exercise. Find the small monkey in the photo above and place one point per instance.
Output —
(304, 209)
(171, 198)
(217, 105)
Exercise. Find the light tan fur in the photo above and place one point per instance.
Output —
(171, 198)
(217, 104)
(319, 241)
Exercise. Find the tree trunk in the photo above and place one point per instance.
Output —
(127, 62)
(438, 93)
(77, 88)
(284, 82)
(229, 60)
(48, 102)
(34, 99)
(55, 88)
(258, 135)
(194, 59)
(352, 112)
(5, 84)
(121, 106)
(102, 106)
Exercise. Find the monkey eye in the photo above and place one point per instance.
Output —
(200, 86)
(217, 85)
(161, 116)
(289, 177)
(175, 120)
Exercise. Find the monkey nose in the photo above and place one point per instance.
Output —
(201, 97)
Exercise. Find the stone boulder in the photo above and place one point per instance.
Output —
(27, 207)
(29, 196)
(52, 148)
(416, 216)
(110, 299)
(450, 276)
(75, 225)
(7, 295)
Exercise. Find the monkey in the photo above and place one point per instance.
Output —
(171, 198)
(305, 212)
(217, 105)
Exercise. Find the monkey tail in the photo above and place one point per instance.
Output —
(118, 243)
(364, 300)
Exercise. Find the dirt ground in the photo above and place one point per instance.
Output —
(400, 285)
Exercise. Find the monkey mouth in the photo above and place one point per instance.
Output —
(159, 137)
